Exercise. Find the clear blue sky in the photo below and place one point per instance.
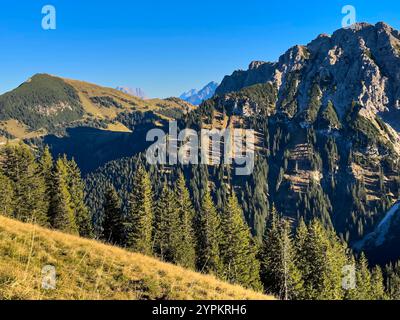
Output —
(164, 47)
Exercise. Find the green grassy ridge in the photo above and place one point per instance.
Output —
(51, 103)
(43, 101)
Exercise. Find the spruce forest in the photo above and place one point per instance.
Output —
(302, 262)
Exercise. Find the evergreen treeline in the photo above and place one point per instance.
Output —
(312, 263)
(167, 226)
(306, 260)
(311, 163)
(43, 191)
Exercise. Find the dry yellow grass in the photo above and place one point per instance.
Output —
(88, 269)
(117, 127)
(87, 90)
(20, 130)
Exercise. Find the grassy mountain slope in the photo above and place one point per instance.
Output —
(88, 269)
(107, 103)
(45, 104)
(41, 102)
(91, 123)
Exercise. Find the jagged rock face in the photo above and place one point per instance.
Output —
(258, 72)
(326, 114)
(361, 64)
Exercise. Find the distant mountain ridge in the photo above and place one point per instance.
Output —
(136, 92)
(196, 97)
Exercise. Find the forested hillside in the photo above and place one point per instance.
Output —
(305, 262)
(325, 116)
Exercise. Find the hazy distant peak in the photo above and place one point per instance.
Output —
(196, 97)
(137, 92)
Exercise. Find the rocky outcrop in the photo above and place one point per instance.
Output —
(258, 72)
(360, 64)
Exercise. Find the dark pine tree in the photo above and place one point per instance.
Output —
(185, 254)
(19, 166)
(238, 250)
(139, 221)
(166, 225)
(61, 207)
(76, 189)
(113, 228)
(209, 237)
(279, 272)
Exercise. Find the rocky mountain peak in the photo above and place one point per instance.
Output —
(384, 26)
(256, 64)
(359, 64)
(196, 97)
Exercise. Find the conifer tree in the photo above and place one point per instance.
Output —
(349, 282)
(301, 239)
(209, 237)
(392, 272)
(369, 284)
(76, 189)
(20, 167)
(166, 225)
(336, 260)
(185, 254)
(363, 279)
(279, 271)
(46, 170)
(6, 196)
(62, 213)
(198, 183)
(139, 220)
(238, 250)
(113, 228)
(377, 284)
(322, 257)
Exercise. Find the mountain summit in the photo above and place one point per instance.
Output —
(360, 64)
(136, 92)
(197, 97)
